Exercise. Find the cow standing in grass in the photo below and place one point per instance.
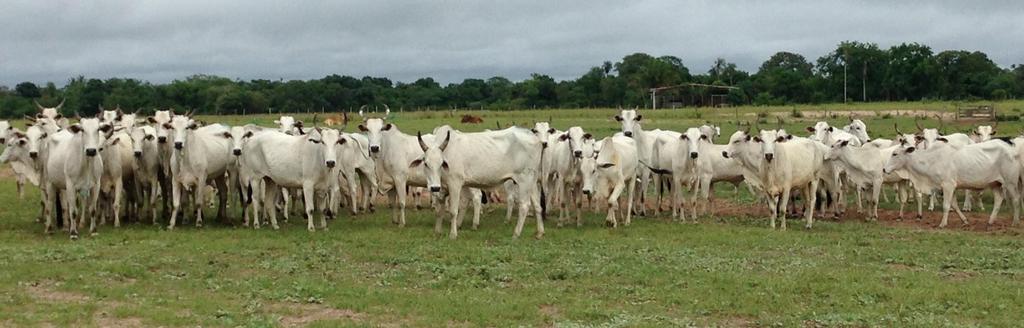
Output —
(614, 166)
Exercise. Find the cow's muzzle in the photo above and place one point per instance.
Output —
(587, 192)
(90, 152)
(543, 144)
(628, 134)
(178, 145)
(33, 154)
(693, 155)
(330, 164)
(435, 189)
(769, 157)
(138, 154)
(374, 149)
(577, 153)
(161, 139)
(237, 152)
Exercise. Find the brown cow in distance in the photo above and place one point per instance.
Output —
(472, 119)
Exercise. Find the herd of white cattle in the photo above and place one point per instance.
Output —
(117, 162)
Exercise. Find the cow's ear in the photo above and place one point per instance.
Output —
(116, 140)
(58, 116)
(911, 149)
(105, 128)
(606, 165)
(810, 129)
(919, 138)
(618, 118)
(587, 136)
(75, 128)
(148, 137)
(830, 129)
(552, 130)
(151, 120)
(22, 142)
(844, 143)
(362, 128)
(168, 126)
(684, 137)
(193, 126)
(758, 139)
(247, 134)
(444, 165)
(704, 137)
(226, 135)
(534, 131)
(416, 163)
(387, 127)
(943, 139)
(342, 141)
(298, 124)
(781, 139)
(563, 137)
(638, 117)
(789, 137)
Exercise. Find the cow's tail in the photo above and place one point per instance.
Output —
(656, 170)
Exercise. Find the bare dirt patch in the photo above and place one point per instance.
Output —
(104, 320)
(46, 291)
(300, 315)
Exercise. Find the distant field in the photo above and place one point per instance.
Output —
(726, 270)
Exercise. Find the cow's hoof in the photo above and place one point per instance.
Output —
(74, 236)
(475, 227)
(538, 236)
(94, 234)
(919, 217)
(452, 236)
(170, 228)
(277, 227)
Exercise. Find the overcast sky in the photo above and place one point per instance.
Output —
(160, 41)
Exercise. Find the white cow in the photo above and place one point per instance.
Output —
(118, 164)
(240, 135)
(781, 163)
(290, 161)
(200, 154)
(645, 142)
(289, 125)
(51, 115)
(829, 135)
(74, 167)
(863, 166)
(560, 171)
(709, 166)
(941, 166)
(357, 170)
(147, 164)
(484, 160)
(983, 133)
(616, 165)
(16, 153)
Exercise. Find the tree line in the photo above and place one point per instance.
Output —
(853, 71)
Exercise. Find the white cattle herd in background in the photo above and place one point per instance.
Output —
(114, 163)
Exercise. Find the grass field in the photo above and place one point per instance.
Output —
(727, 270)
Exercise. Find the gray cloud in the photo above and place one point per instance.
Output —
(451, 40)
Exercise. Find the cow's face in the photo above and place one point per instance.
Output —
(899, 159)
(768, 140)
(140, 137)
(588, 149)
(433, 162)
(543, 131)
(93, 134)
(159, 121)
(928, 136)
(325, 142)
(288, 125)
(374, 128)
(629, 119)
(693, 138)
(36, 137)
(15, 146)
(711, 131)
(5, 130)
(984, 132)
(127, 121)
(239, 136)
(837, 149)
(858, 129)
(109, 117)
(576, 137)
(588, 173)
(819, 131)
(738, 142)
(908, 138)
(179, 128)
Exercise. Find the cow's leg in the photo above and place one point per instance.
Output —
(577, 204)
(645, 180)
(630, 193)
(773, 208)
(876, 189)
(477, 204)
(272, 191)
(783, 206)
(89, 208)
(959, 213)
(118, 194)
(154, 188)
(1015, 200)
(678, 211)
(810, 197)
(997, 200)
(705, 194)
(613, 200)
(920, 204)
(931, 201)
(947, 199)
(307, 195)
(400, 184)
(257, 198)
(175, 202)
(222, 198)
(454, 202)
(51, 199)
(200, 200)
(534, 198)
(69, 200)
(968, 199)
(21, 186)
(353, 191)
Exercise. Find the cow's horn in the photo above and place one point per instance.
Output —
(446, 139)
(419, 138)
